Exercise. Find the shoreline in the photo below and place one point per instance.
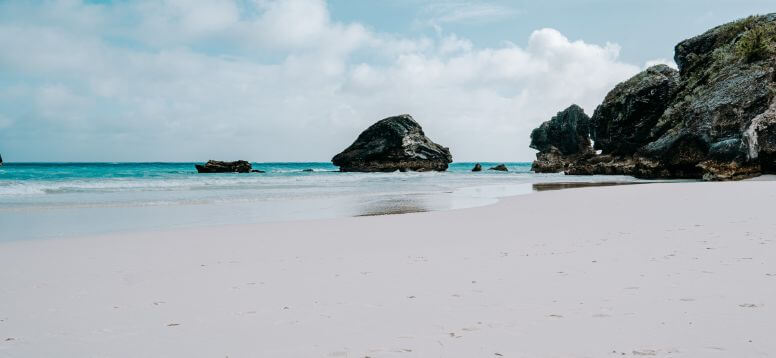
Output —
(92, 212)
(677, 269)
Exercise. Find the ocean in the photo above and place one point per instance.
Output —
(45, 200)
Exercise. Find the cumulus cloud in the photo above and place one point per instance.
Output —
(661, 61)
(269, 81)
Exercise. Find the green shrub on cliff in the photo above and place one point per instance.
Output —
(757, 44)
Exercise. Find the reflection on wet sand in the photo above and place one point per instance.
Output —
(571, 185)
(468, 197)
(394, 206)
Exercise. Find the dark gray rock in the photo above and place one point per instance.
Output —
(308, 170)
(551, 161)
(215, 166)
(500, 167)
(602, 165)
(715, 121)
(624, 121)
(561, 141)
(394, 143)
(568, 132)
(257, 171)
(710, 129)
(477, 168)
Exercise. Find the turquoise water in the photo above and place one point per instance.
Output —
(40, 200)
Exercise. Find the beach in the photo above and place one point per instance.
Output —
(664, 270)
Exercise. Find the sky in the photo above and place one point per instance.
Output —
(298, 80)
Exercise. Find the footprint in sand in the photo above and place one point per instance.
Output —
(645, 352)
(748, 305)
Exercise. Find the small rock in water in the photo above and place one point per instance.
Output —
(215, 166)
(308, 170)
(477, 168)
(500, 167)
(257, 171)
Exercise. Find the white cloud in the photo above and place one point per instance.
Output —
(439, 13)
(282, 81)
(661, 61)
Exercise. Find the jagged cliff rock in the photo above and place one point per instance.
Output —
(623, 122)
(561, 141)
(394, 143)
(716, 120)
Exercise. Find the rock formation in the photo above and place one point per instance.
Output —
(561, 141)
(215, 166)
(394, 143)
(714, 119)
(477, 168)
(714, 126)
(623, 122)
(500, 167)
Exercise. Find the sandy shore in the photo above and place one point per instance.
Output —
(667, 270)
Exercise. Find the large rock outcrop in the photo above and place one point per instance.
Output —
(216, 166)
(394, 143)
(715, 120)
(718, 119)
(562, 140)
(624, 121)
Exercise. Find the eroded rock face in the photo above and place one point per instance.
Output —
(216, 166)
(623, 122)
(602, 165)
(561, 141)
(727, 80)
(715, 120)
(394, 143)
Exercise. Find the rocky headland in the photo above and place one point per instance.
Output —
(713, 119)
(394, 143)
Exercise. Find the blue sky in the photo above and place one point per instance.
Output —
(297, 80)
(644, 29)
